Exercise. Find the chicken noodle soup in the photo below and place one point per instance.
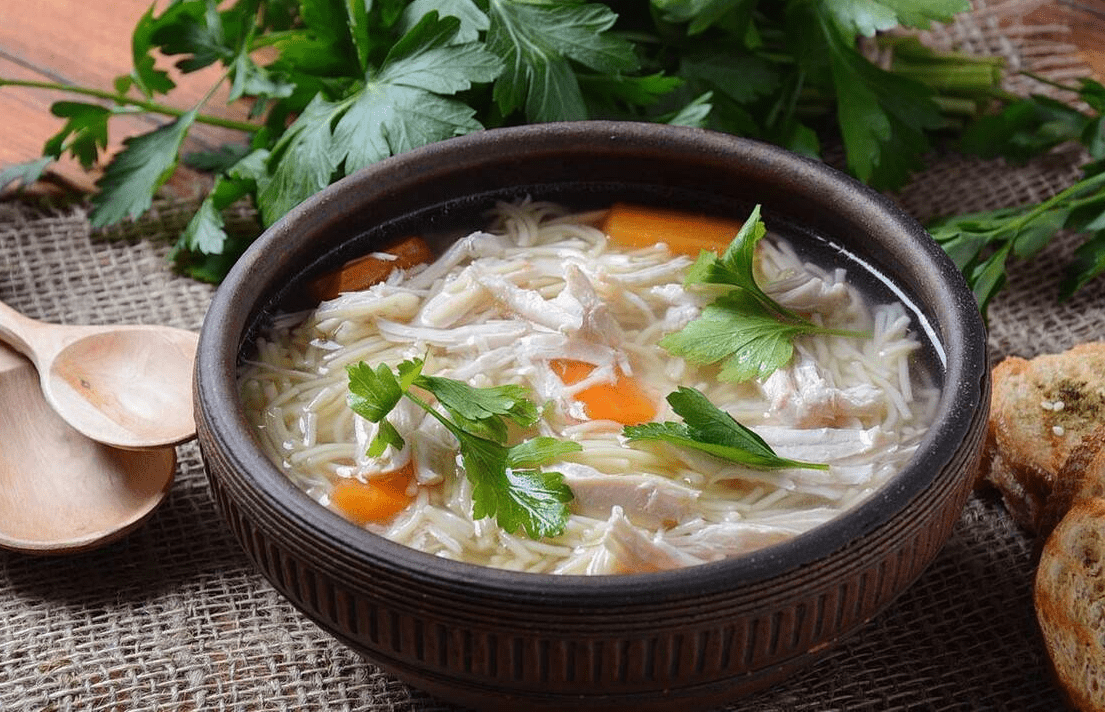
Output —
(545, 299)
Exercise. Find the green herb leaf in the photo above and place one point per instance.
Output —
(884, 118)
(1024, 129)
(404, 105)
(737, 265)
(710, 429)
(866, 17)
(536, 43)
(145, 76)
(700, 15)
(529, 499)
(981, 244)
(1089, 262)
(84, 134)
(192, 28)
(734, 330)
(302, 162)
(745, 329)
(483, 411)
(473, 20)
(132, 178)
(400, 107)
(373, 392)
(24, 174)
(507, 482)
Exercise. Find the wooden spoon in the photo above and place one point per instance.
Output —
(59, 491)
(124, 386)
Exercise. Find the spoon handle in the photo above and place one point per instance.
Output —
(17, 330)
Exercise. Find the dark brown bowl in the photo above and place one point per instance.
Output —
(685, 639)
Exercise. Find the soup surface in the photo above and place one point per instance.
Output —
(549, 301)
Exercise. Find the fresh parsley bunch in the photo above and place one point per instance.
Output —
(334, 86)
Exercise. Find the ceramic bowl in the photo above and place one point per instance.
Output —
(686, 639)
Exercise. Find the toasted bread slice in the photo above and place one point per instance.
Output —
(1040, 410)
(1070, 603)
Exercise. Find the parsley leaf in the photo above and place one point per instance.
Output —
(745, 329)
(735, 331)
(26, 173)
(866, 17)
(884, 118)
(518, 498)
(537, 42)
(483, 411)
(145, 76)
(335, 85)
(401, 106)
(84, 134)
(206, 250)
(130, 181)
(404, 105)
(301, 163)
(507, 482)
(707, 428)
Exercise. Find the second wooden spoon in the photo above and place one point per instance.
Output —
(59, 491)
(124, 386)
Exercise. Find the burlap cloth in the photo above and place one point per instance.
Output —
(173, 618)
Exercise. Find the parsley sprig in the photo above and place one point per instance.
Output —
(746, 330)
(707, 428)
(507, 481)
(982, 244)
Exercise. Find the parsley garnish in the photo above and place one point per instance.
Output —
(507, 481)
(707, 428)
(745, 329)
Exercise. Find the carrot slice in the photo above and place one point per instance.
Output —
(377, 500)
(683, 233)
(623, 401)
(363, 272)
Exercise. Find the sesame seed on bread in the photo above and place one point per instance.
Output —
(1082, 476)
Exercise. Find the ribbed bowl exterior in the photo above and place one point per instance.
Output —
(692, 653)
(498, 640)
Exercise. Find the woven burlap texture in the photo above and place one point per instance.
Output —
(173, 618)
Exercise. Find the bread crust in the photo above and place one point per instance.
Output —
(1070, 603)
(1082, 476)
(1041, 409)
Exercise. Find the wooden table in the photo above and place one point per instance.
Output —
(88, 44)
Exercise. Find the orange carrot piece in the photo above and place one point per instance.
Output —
(377, 500)
(363, 272)
(683, 233)
(623, 401)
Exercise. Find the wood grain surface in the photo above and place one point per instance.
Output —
(83, 43)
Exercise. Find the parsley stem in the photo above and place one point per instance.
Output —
(449, 425)
(1057, 199)
(150, 106)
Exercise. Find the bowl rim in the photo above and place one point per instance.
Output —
(225, 325)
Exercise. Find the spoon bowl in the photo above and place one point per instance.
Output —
(125, 386)
(59, 491)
